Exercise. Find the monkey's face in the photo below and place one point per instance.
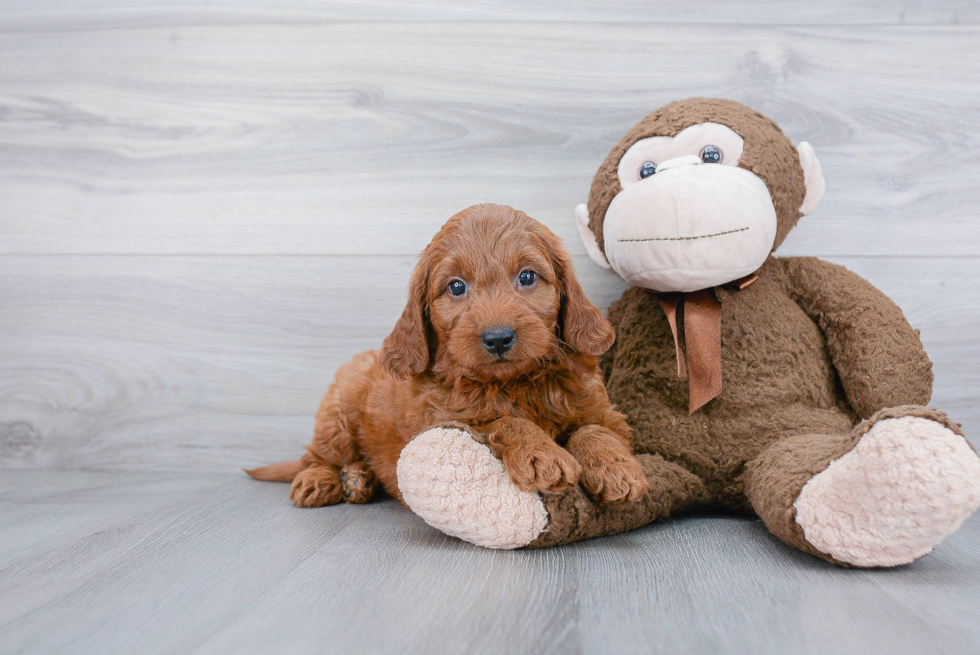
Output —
(688, 217)
(697, 195)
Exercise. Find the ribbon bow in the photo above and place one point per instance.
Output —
(701, 314)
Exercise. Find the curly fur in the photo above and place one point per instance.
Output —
(433, 370)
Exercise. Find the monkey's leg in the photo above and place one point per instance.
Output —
(883, 495)
(450, 479)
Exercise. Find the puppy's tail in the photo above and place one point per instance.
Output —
(281, 472)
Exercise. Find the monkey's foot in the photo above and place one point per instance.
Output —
(907, 484)
(457, 486)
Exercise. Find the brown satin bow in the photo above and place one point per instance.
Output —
(701, 313)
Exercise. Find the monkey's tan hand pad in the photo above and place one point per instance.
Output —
(906, 485)
(457, 486)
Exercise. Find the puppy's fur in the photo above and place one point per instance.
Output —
(435, 368)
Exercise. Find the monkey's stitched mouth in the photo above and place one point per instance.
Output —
(701, 236)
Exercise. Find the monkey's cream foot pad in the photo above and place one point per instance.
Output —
(906, 485)
(457, 486)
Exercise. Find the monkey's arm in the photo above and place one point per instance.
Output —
(877, 354)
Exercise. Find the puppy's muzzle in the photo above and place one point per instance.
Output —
(498, 340)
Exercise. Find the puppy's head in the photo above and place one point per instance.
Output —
(492, 298)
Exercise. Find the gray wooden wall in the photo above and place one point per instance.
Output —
(205, 210)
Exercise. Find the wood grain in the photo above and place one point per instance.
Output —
(71, 14)
(167, 563)
(206, 207)
(213, 363)
(364, 137)
(198, 354)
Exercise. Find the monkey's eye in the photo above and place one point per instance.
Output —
(457, 287)
(647, 169)
(711, 155)
(527, 278)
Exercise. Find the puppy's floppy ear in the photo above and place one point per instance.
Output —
(406, 350)
(583, 326)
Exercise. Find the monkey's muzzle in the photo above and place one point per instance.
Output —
(690, 226)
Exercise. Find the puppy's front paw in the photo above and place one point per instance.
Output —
(541, 466)
(614, 480)
(317, 486)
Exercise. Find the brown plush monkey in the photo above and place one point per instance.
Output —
(787, 388)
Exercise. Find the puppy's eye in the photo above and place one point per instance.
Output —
(711, 155)
(457, 287)
(527, 278)
(647, 169)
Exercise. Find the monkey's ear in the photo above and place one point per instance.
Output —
(588, 238)
(406, 350)
(812, 177)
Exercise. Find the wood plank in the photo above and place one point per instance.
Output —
(729, 586)
(212, 363)
(232, 568)
(74, 506)
(62, 14)
(363, 137)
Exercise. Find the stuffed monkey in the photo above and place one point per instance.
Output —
(787, 388)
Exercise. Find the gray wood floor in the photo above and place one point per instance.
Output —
(185, 563)
(206, 207)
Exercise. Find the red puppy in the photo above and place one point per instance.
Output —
(497, 335)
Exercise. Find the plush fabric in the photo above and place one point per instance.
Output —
(808, 350)
(702, 247)
(877, 505)
(456, 485)
(660, 150)
(766, 152)
(776, 477)
(877, 356)
(574, 516)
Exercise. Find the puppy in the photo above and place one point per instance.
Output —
(497, 336)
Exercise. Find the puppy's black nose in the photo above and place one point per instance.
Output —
(498, 340)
